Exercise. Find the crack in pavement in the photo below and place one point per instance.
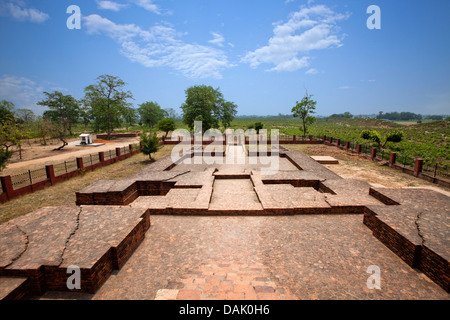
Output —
(419, 231)
(24, 250)
(77, 226)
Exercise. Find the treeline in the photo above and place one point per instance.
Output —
(106, 106)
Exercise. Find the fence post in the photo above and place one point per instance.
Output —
(118, 152)
(101, 156)
(347, 145)
(338, 143)
(358, 149)
(7, 186)
(418, 167)
(324, 138)
(294, 138)
(50, 170)
(310, 137)
(374, 153)
(80, 164)
(331, 140)
(392, 158)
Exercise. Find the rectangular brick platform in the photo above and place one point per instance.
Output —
(415, 225)
(42, 245)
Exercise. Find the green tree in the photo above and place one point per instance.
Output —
(150, 113)
(166, 125)
(43, 127)
(373, 135)
(130, 116)
(150, 143)
(171, 113)
(25, 115)
(258, 126)
(206, 104)
(63, 113)
(107, 101)
(6, 111)
(5, 155)
(304, 110)
(12, 134)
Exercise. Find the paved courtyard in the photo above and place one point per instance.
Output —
(295, 257)
(232, 231)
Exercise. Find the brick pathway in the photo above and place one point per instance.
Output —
(226, 281)
(289, 257)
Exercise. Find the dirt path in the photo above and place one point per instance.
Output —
(35, 155)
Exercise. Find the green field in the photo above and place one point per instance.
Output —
(429, 140)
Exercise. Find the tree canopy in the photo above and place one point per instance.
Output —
(6, 111)
(166, 125)
(150, 113)
(304, 110)
(64, 112)
(373, 135)
(108, 102)
(206, 104)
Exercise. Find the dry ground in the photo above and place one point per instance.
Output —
(64, 192)
(35, 155)
(350, 167)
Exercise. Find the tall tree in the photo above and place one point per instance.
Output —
(151, 113)
(43, 127)
(63, 113)
(107, 101)
(171, 113)
(6, 111)
(25, 115)
(206, 104)
(304, 110)
(129, 116)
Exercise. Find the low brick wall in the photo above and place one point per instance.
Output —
(10, 193)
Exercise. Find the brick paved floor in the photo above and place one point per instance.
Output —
(289, 257)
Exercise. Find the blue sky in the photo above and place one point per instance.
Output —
(261, 53)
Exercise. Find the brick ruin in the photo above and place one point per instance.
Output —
(111, 217)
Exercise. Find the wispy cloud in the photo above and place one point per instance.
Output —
(311, 28)
(149, 5)
(217, 40)
(18, 10)
(161, 46)
(110, 5)
(23, 92)
(345, 87)
(312, 71)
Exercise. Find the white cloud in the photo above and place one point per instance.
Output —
(217, 40)
(312, 71)
(345, 87)
(110, 5)
(148, 5)
(312, 28)
(18, 10)
(23, 92)
(160, 46)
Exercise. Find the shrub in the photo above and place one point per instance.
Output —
(150, 143)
